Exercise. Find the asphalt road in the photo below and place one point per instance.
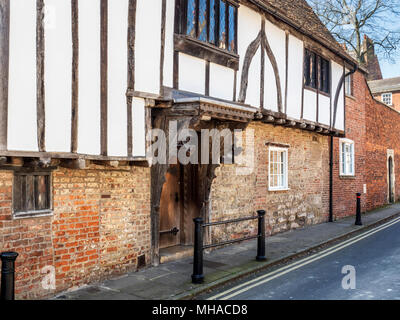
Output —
(369, 262)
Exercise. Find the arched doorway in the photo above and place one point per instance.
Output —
(391, 180)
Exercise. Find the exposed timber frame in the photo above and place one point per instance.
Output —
(75, 75)
(4, 69)
(261, 40)
(103, 76)
(131, 71)
(40, 89)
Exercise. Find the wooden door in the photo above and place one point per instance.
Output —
(171, 208)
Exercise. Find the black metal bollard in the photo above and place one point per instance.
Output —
(8, 275)
(261, 236)
(197, 276)
(358, 213)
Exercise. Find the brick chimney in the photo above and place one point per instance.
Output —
(371, 60)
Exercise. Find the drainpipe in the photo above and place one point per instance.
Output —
(331, 144)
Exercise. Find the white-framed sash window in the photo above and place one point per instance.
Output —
(346, 149)
(278, 169)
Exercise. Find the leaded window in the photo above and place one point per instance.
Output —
(316, 72)
(212, 21)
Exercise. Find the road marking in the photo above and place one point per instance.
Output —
(296, 265)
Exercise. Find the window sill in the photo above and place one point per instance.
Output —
(277, 190)
(317, 91)
(349, 177)
(206, 51)
(33, 214)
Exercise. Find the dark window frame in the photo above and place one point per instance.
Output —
(317, 73)
(24, 208)
(211, 51)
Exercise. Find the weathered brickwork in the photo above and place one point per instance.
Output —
(100, 226)
(382, 136)
(306, 202)
(345, 188)
(373, 127)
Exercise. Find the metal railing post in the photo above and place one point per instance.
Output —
(261, 236)
(197, 276)
(8, 275)
(358, 213)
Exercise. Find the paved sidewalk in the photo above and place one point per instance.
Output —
(172, 280)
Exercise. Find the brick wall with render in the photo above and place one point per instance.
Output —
(346, 187)
(100, 226)
(305, 203)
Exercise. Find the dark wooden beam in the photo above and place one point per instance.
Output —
(104, 75)
(162, 53)
(176, 70)
(4, 67)
(262, 77)
(75, 76)
(286, 69)
(207, 84)
(131, 71)
(40, 89)
(250, 52)
(274, 64)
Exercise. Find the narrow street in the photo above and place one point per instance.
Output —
(375, 256)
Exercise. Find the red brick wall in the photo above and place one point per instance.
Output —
(373, 127)
(100, 226)
(345, 188)
(382, 134)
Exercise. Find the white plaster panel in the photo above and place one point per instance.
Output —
(192, 74)
(169, 44)
(295, 82)
(89, 77)
(337, 72)
(221, 82)
(148, 46)
(310, 105)
(138, 127)
(22, 128)
(117, 77)
(324, 109)
(58, 75)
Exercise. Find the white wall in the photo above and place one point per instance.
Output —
(138, 127)
(22, 128)
(310, 105)
(221, 82)
(89, 77)
(58, 76)
(192, 74)
(169, 44)
(148, 46)
(117, 77)
(324, 109)
(295, 83)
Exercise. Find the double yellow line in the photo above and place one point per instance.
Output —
(246, 286)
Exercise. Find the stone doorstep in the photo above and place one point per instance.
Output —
(175, 253)
(253, 268)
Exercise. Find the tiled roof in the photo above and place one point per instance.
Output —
(385, 85)
(303, 18)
